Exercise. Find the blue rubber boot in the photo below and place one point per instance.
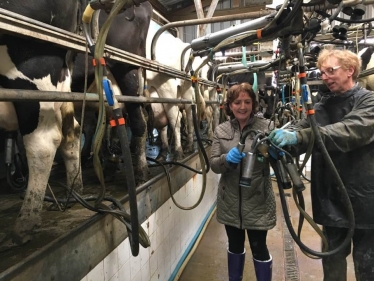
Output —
(263, 269)
(236, 265)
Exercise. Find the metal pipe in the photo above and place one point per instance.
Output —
(202, 21)
(211, 40)
(182, 57)
(239, 54)
(165, 20)
(36, 95)
(239, 66)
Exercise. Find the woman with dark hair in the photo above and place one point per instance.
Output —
(243, 209)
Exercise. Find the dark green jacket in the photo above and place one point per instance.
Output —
(242, 207)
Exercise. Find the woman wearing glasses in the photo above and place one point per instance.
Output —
(346, 123)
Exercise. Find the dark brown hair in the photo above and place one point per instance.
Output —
(233, 94)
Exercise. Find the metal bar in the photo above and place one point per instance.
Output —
(36, 95)
(20, 25)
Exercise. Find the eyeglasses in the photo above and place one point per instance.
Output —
(329, 71)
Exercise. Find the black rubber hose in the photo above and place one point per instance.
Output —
(14, 185)
(127, 168)
(198, 138)
(246, 134)
(171, 163)
(289, 223)
(335, 175)
(120, 214)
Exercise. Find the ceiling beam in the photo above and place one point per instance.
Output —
(199, 9)
(209, 14)
(191, 8)
(223, 12)
(159, 7)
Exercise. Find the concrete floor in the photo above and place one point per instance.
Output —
(209, 262)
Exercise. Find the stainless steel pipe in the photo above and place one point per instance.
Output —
(36, 95)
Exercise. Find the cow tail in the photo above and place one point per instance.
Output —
(67, 114)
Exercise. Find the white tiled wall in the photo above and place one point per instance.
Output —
(170, 231)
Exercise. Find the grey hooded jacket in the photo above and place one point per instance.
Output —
(242, 207)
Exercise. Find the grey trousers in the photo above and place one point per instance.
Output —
(335, 266)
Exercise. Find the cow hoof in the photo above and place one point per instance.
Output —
(178, 155)
(140, 178)
(13, 241)
(189, 150)
(162, 156)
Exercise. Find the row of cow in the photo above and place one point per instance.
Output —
(50, 126)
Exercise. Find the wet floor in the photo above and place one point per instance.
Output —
(209, 262)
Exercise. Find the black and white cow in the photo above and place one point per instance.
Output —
(130, 36)
(367, 59)
(44, 126)
(168, 51)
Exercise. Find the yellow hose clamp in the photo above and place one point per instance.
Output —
(87, 15)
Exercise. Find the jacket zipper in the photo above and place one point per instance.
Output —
(240, 190)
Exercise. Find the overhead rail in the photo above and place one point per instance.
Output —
(211, 40)
(202, 21)
(20, 25)
(27, 95)
(229, 67)
(239, 54)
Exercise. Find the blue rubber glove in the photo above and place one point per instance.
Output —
(281, 137)
(275, 153)
(234, 156)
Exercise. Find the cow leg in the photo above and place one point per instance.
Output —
(69, 150)
(8, 117)
(190, 129)
(174, 117)
(70, 142)
(164, 144)
(140, 163)
(138, 141)
(159, 120)
(215, 116)
(209, 119)
(41, 146)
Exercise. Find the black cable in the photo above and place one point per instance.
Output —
(313, 3)
(120, 214)
(324, 14)
(288, 220)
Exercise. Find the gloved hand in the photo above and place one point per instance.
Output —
(275, 153)
(234, 156)
(281, 137)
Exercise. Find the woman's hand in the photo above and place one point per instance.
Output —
(234, 156)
